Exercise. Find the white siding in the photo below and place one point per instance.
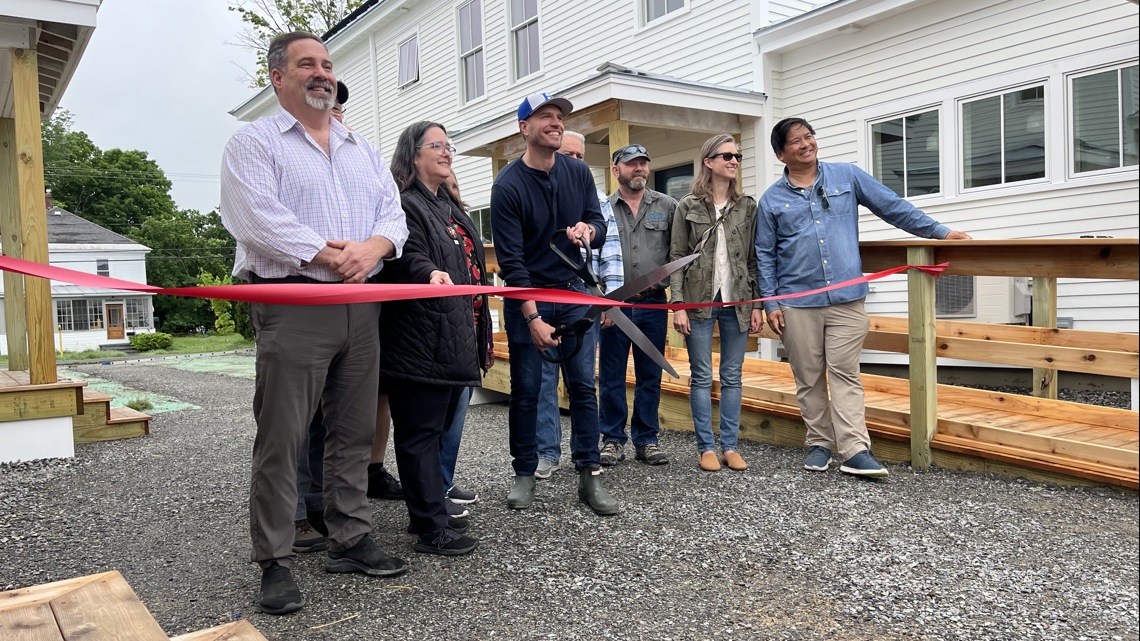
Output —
(939, 53)
(718, 29)
(780, 10)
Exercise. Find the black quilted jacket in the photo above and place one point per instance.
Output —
(432, 340)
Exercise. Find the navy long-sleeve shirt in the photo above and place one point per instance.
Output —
(528, 206)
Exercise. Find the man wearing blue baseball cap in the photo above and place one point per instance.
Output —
(534, 198)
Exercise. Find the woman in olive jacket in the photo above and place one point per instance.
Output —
(431, 349)
(718, 222)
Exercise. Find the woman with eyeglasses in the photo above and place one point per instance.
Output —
(718, 222)
(431, 349)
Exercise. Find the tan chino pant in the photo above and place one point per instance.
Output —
(823, 346)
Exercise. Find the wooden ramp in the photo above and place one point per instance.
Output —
(99, 607)
(978, 430)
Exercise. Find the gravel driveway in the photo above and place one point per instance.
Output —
(771, 553)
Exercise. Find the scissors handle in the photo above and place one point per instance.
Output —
(582, 265)
(578, 328)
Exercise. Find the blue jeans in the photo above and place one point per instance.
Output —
(733, 342)
(526, 382)
(548, 427)
(452, 435)
(613, 355)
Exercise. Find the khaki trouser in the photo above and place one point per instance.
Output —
(326, 354)
(824, 345)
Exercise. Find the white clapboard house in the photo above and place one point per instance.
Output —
(1005, 119)
(87, 317)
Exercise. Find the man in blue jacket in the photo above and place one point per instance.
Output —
(536, 196)
(807, 237)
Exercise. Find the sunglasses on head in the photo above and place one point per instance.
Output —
(728, 155)
(630, 149)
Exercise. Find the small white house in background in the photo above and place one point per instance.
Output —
(87, 317)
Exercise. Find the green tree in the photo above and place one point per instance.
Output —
(184, 245)
(266, 19)
(115, 189)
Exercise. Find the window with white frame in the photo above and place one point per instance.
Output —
(138, 313)
(524, 37)
(1003, 138)
(409, 62)
(102, 267)
(655, 9)
(904, 154)
(482, 219)
(471, 49)
(1105, 133)
(79, 315)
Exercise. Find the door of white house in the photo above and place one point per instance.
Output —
(116, 328)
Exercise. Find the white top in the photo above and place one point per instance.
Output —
(722, 269)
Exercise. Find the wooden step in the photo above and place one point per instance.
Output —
(101, 422)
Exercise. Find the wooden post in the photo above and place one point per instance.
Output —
(1044, 315)
(497, 165)
(13, 245)
(619, 137)
(923, 358)
(33, 217)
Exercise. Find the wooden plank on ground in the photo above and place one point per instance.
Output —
(237, 631)
(105, 609)
(32, 622)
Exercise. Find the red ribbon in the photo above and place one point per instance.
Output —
(319, 294)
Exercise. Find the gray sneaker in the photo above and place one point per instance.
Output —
(546, 467)
(650, 454)
(611, 453)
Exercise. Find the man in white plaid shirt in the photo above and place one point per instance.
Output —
(309, 201)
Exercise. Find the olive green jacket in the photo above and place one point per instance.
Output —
(694, 215)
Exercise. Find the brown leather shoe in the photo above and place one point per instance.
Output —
(734, 461)
(709, 462)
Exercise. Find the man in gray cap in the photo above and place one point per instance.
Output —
(644, 220)
(540, 199)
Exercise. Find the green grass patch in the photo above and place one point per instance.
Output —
(203, 344)
(140, 404)
(86, 355)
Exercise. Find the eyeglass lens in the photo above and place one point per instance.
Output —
(728, 155)
(823, 198)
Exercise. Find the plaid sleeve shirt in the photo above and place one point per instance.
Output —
(608, 263)
(282, 197)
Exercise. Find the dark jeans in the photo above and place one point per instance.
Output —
(452, 437)
(526, 380)
(613, 356)
(420, 414)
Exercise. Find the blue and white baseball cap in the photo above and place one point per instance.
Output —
(535, 101)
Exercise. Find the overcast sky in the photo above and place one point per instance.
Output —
(159, 76)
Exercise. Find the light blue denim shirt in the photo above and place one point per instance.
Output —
(808, 238)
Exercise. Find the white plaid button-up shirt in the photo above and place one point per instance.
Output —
(282, 197)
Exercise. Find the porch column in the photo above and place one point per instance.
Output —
(32, 215)
(13, 245)
(619, 137)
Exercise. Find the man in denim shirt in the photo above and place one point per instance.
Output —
(807, 237)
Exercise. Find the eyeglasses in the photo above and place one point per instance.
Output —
(440, 147)
(727, 156)
(629, 149)
(823, 198)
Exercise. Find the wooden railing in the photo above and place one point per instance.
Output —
(1044, 347)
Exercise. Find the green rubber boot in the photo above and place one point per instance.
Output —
(593, 493)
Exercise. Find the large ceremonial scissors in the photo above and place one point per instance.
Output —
(583, 267)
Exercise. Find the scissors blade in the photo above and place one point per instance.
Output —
(647, 279)
(642, 341)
